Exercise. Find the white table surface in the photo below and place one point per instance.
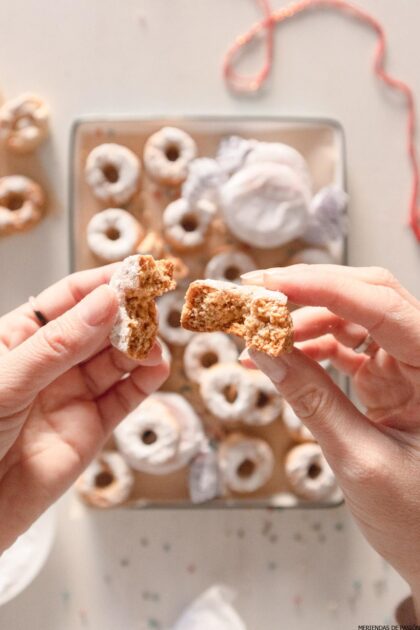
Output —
(136, 570)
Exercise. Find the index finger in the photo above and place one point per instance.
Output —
(392, 321)
(52, 302)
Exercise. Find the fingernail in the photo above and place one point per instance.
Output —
(253, 277)
(273, 367)
(97, 307)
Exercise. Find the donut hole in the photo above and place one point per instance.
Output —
(113, 234)
(22, 122)
(148, 437)
(104, 479)
(208, 359)
(314, 471)
(14, 201)
(174, 318)
(110, 173)
(262, 400)
(189, 223)
(246, 469)
(232, 273)
(172, 152)
(230, 392)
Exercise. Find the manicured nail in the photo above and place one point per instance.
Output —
(274, 368)
(97, 307)
(253, 277)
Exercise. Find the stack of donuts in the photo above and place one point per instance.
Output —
(217, 430)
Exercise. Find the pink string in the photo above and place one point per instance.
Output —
(242, 83)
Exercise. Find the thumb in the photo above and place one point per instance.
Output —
(321, 405)
(55, 348)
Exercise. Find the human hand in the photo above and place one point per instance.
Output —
(376, 455)
(63, 389)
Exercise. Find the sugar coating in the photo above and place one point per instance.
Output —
(308, 472)
(177, 432)
(31, 199)
(246, 463)
(138, 281)
(258, 315)
(126, 170)
(24, 123)
(115, 492)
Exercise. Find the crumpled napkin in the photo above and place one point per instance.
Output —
(212, 610)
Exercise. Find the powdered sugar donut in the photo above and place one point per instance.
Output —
(113, 173)
(161, 435)
(246, 463)
(205, 350)
(229, 266)
(113, 234)
(170, 307)
(308, 472)
(269, 403)
(167, 155)
(297, 430)
(228, 391)
(186, 226)
(280, 153)
(107, 481)
(21, 204)
(23, 123)
(265, 205)
(312, 256)
(137, 282)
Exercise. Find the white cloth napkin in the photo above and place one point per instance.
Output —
(212, 610)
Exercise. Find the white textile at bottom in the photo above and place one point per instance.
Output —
(212, 610)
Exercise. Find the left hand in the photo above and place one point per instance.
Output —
(63, 389)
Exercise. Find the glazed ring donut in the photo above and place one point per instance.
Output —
(229, 266)
(265, 205)
(308, 472)
(269, 403)
(205, 350)
(186, 226)
(23, 123)
(297, 430)
(167, 154)
(170, 307)
(113, 234)
(22, 203)
(228, 391)
(161, 435)
(107, 481)
(113, 173)
(246, 463)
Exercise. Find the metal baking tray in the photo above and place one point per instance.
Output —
(321, 142)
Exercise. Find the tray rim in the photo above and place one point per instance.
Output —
(220, 503)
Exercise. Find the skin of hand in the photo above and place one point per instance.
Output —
(375, 455)
(63, 389)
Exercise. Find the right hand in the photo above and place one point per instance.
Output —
(376, 455)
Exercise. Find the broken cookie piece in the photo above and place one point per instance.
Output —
(259, 316)
(138, 281)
